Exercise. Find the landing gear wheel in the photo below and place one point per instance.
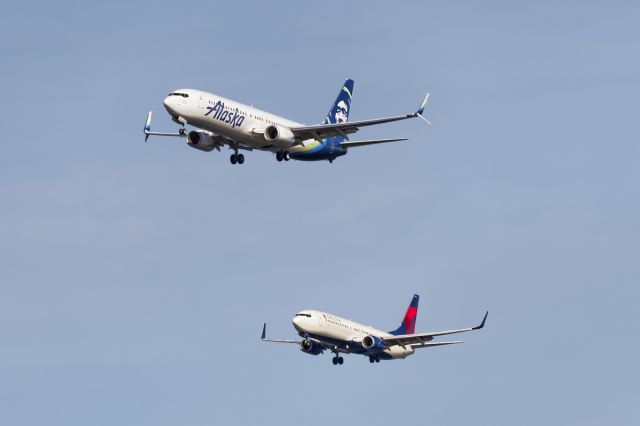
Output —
(371, 360)
(377, 359)
(279, 156)
(240, 158)
(286, 156)
(334, 360)
(233, 158)
(340, 360)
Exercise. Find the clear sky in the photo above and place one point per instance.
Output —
(135, 278)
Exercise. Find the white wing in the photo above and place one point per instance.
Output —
(342, 129)
(423, 338)
(264, 339)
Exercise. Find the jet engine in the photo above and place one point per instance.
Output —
(275, 133)
(372, 343)
(307, 346)
(201, 140)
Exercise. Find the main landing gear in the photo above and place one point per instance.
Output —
(374, 358)
(283, 155)
(337, 360)
(236, 158)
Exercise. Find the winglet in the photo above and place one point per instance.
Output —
(147, 126)
(423, 104)
(478, 327)
(421, 109)
(264, 331)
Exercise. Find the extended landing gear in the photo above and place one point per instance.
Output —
(283, 155)
(374, 358)
(337, 360)
(236, 158)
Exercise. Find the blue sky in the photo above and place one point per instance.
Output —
(134, 278)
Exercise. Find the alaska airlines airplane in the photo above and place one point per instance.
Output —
(222, 122)
(322, 331)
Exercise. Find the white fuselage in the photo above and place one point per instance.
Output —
(332, 328)
(234, 120)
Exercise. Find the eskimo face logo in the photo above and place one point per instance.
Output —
(342, 112)
(226, 116)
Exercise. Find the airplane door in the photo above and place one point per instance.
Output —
(201, 102)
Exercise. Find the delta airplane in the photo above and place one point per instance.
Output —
(322, 331)
(221, 122)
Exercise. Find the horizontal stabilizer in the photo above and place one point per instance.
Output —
(349, 144)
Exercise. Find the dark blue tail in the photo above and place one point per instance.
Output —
(339, 112)
(408, 325)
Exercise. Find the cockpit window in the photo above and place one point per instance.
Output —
(304, 315)
(184, 95)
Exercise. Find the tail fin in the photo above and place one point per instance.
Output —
(408, 325)
(339, 112)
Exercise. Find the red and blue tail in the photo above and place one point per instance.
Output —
(408, 325)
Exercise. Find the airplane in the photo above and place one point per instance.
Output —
(221, 122)
(322, 331)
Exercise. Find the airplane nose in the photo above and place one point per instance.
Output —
(167, 103)
(297, 323)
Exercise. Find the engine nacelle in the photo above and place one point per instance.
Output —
(275, 133)
(372, 343)
(201, 140)
(308, 347)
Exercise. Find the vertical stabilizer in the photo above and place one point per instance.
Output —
(339, 112)
(408, 325)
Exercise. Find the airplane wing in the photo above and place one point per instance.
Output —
(422, 338)
(264, 339)
(220, 140)
(321, 131)
(147, 130)
(323, 345)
